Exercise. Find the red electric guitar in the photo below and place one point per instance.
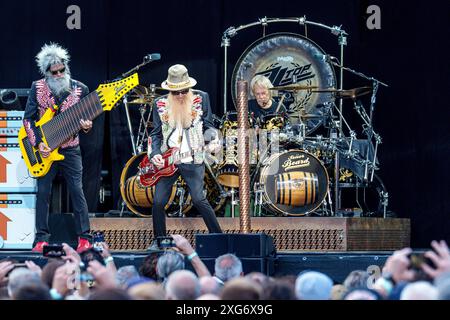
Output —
(149, 174)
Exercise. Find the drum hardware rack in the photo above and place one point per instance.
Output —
(335, 30)
(331, 146)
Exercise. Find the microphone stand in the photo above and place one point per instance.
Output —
(362, 75)
(146, 61)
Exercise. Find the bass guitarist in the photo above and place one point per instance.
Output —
(180, 120)
(59, 92)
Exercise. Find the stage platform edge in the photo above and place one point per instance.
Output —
(318, 234)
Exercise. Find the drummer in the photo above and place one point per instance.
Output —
(264, 103)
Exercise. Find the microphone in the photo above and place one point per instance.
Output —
(152, 57)
(148, 58)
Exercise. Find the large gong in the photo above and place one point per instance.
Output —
(287, 58)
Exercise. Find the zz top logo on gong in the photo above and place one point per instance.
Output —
(281, 76)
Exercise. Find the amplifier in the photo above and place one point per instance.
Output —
(10, 123)
(17, 217)
(14, 175)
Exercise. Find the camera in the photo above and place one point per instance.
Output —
(97, 238)
(418, 259)
(86, 257)
(165, 242)
(53, 251)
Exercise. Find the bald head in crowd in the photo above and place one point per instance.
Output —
(209, 285)
(182, 285)
(241, 289)
(227, 267)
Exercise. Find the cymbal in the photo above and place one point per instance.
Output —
(293, 87)
(311, 116)
(145, 90)
(305, 116)
(144, 100)
(354, 93)
(326, 90)
(350, 93)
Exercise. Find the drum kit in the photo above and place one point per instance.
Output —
(305, 160)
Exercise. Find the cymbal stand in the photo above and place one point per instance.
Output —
(362, 75)
(130, 127)
(140, 135)
(385, 196)
(258, 200)
(350, 152)
(223, 193)
(143, 133)
(234, 201)
(180, 193)
(330, 202)
(264, 151)
(377, 142)
(368, 119)
(376, 136)
(370, 133)
(335, 128)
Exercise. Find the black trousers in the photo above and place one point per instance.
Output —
(194, 175)
(72, 170)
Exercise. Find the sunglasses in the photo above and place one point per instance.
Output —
(55, 72)
(177, 93)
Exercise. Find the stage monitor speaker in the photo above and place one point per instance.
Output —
(251, 245)
(62, 229)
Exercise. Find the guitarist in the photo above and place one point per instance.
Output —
(180, 120)
(57, 89)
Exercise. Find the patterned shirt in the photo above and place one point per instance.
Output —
(41, 99)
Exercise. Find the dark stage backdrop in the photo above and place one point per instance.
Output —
(409, 52)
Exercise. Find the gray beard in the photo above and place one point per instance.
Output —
(59, 86)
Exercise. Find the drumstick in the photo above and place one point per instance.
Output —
(280, 103)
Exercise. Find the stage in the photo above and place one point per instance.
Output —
(316, 234)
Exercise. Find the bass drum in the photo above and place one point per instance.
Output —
(139, 199)
(287, 58)
(294, 183)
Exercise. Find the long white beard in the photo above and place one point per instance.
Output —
(59, 86)
(180, 114)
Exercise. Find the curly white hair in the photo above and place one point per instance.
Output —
(51, 54)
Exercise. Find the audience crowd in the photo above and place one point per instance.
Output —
(92, 275)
